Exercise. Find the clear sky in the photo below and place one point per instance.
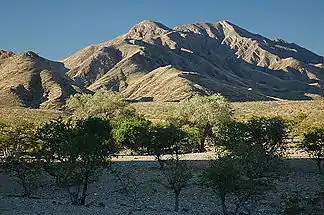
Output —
(57, 28)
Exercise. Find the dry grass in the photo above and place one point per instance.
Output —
(18, 115)
(314, 109)
(158, 110)
(279, 108)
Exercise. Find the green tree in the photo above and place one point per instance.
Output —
(75, 152)
(202, 112)
(168, 139)
(103, 104)
(133, 133)
(260, 133)
(243, 177)
(313, 144)
(250, 163)
(224, 176)
(269, 133)
(172, 140)
(141, 136)
(18, 144)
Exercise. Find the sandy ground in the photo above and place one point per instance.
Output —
(190, 157)
(145, 192)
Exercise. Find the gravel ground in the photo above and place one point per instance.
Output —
(145, 193)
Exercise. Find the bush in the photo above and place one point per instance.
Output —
(133, 133)
(172, 140)
(142, 136)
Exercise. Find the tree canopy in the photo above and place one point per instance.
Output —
(74, 152)
(313, 144)
(262, 133)
(133, 133)
(202, 112)
(101, 104)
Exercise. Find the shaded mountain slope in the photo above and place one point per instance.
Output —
(29, 80)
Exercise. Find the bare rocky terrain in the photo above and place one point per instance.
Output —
(153, 62)
(141, 190)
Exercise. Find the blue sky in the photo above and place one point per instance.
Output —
(57, 28)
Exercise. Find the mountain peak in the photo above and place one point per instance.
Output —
(227, 25)
(30, 54)
(147, 28)
(153, 23)
(5, 54)
(226, 22)
(279, 40)
(212, 57)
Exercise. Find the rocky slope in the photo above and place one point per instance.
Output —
(153, 62)
(164, 64)
(29, 80)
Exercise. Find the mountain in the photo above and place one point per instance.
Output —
(152, 61)
(29, 80)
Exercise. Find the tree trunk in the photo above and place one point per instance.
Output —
(222, 197)
(161, 162)
(26, 192)
(74, 198)
(23, 181)
(319, 164)
(176, 202)
(85, 189)
(206, 131)
(202, 144)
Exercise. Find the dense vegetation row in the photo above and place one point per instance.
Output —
(74, 150)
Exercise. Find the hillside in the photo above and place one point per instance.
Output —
(29, 80)
(154, 62)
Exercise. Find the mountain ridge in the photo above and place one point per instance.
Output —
(214, 50)
(157, 63)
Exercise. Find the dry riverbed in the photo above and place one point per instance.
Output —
(141, 190)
